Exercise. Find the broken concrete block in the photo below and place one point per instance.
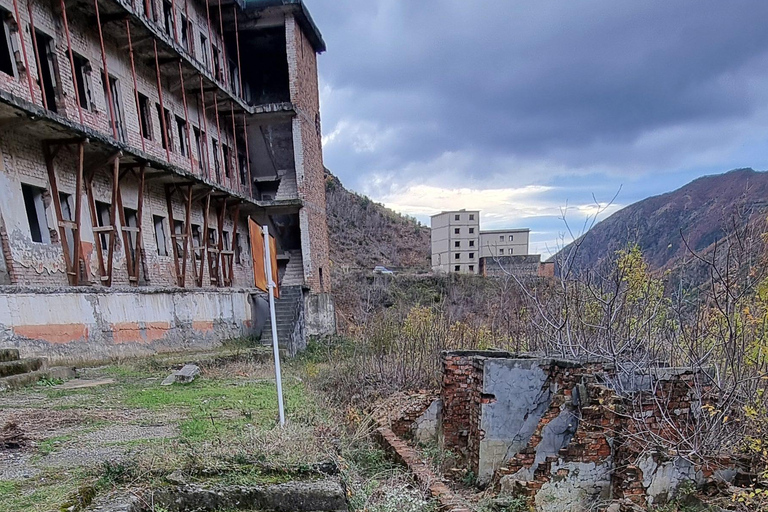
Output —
(184, 376)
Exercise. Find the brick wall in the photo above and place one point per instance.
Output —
(310, 171)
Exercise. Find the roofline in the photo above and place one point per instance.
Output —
(454, 211)
(302, 16)
(516, 230)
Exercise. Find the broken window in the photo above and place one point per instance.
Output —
(178, 230)
(501, 251)
(511, 251)
(117, 104)
(234, 77)
(198, 146)
(457, 268)
(501, 238)
(145, 116)
(471, 268)
(67, 213)
(457, 244)
(216, 63)
(168, 19)
(471, 255)
(204, 50)
(167, 139)
(457, 217)
(457, 256)
(131, 221)
(34, 204)
(162, 250)
(181, 125)
(471, 230)
(456, 231)
(7, 51)
(511, 237)
(238, 248)
(212, 237)
(243, 170)
(186, 31)
(46, 63)
(225, 240)
(103, 220)
(83, 79)
(471, 243)
(196, 239)
(216, 163)
(227, 161)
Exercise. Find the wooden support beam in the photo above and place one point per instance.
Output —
(169, 191)
(57, 206)
(109, 160)
(112, 218)
(204, 241)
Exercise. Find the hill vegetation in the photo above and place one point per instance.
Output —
(364, 233)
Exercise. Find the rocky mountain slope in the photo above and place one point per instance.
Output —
(668, 227)
(364, 234)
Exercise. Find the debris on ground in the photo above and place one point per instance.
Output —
(184, 376)
(12, 437)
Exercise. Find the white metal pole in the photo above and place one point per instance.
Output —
(275, 347)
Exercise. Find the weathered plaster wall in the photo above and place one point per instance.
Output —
(320, 314)
(94, 324)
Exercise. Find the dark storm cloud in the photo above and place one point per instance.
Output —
(509, 93)
(532, 76)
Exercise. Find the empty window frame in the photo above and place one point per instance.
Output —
(160, 238)
(225, 239)
(103, 220)
(199, 146)
(187, 31)
(46, 53)
(471, 230)
(83, 79)
(34, 203)
(216, 163)
(238, 248)
(178, 230)
(7, 44)
(131, 221)
(471, 255)
(117, 104)
(457, 268)
(511, 250)
(511, 238)
(181, 126)
(216, 62)
(168, 19)
(227, 160)
(145, 115)
(457, 256)
(501, 251)
(457, 217)
(457, 243)
(471, 268)
(204, 50)
(456, 231)
(501, 238)
(197, 239)
(167, 139)
(243, 169)
(471, 216)
(471, 243)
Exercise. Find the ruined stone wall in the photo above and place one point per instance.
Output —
(559, 432)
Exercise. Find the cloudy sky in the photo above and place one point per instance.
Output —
(522, 108)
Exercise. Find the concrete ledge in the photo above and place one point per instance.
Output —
(27, 379)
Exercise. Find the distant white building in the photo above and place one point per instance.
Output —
(458, 244)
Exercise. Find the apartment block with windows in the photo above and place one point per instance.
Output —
(458, 244)
(136, 139)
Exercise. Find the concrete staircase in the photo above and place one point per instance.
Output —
(16, 372)
(287, 310)
(294, 271)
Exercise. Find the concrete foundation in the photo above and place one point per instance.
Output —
(75, 325)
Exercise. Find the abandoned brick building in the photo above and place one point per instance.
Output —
(137, 137)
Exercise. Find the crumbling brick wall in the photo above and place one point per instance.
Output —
(580, 439)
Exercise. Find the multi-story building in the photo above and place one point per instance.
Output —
(137, 137)
(458, 244)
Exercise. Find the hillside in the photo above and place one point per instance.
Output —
(364, 234)
(702, 211)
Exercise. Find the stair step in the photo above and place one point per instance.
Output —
(9, 354)
(28, 365)
(26, 379)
